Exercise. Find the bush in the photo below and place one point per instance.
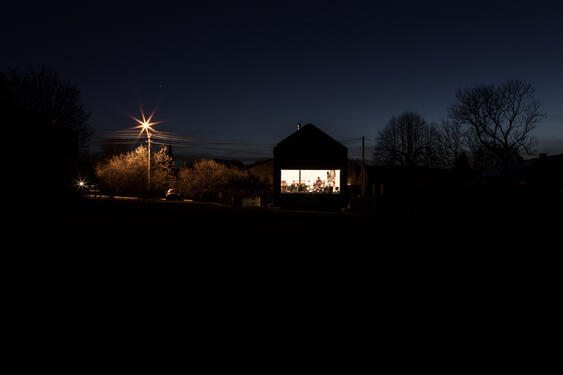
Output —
(210, 176)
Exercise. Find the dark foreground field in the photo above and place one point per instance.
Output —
(437, 219)
(176, 219)
(122, 266)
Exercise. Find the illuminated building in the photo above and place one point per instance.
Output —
(310, 170)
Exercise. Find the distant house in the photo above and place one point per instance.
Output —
(310, 170)
(264, 170)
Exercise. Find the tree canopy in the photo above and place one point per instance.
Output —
(407, 140)
(50, 125)
(487, 126)
(127, 173)
(206, 175)
(499, 120)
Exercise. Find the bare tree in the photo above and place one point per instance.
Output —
(408, 140)
(453, 142)
(500, 119)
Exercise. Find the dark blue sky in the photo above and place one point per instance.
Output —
(247, 72)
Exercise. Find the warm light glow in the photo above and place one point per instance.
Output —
(145, 123)
(310, 181)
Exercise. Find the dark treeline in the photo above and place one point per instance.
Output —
(50, 130)
(477, 168)
(486, 127)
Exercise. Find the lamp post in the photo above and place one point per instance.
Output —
(81, 184)
(363, 172)
(145, 126)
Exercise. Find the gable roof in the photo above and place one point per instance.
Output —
(310, 137)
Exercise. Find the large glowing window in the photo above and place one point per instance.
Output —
(325, 181)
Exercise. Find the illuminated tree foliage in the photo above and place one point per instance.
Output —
(127, 173)
(209, 175)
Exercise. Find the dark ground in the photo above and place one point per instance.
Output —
(456, 282)
(451, 247)
(450, 221)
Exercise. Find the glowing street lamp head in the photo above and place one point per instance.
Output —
(145, 123)
(81, 183)
(145, 127)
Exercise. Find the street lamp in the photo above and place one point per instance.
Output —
(145, 126)
(81, 185)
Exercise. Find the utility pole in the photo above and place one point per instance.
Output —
(299, 186)
(149, 162)
(363, 171)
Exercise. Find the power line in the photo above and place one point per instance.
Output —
(195, 146)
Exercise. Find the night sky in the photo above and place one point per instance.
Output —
(235, 78)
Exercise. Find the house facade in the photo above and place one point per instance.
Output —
(310, 170)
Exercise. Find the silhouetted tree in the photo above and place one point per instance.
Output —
(50, 122)
(461, 163)
(499, 120)
(408, 140)
(452, 143)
